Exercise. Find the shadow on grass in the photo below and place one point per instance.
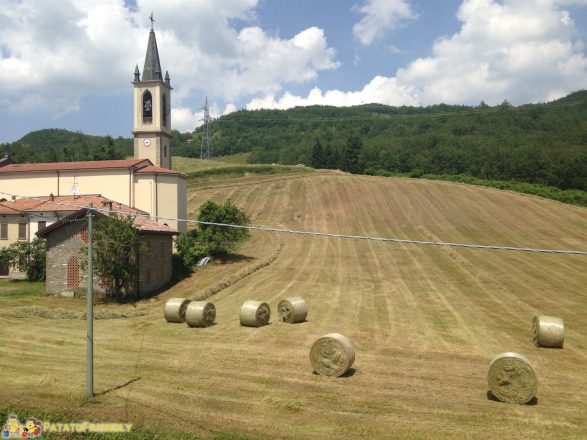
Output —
(117, 387)
(532, 402)
(348, 373)
(234, 258)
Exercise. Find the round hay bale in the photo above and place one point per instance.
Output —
(175, 309)
(292, 309)
(255, 314)
(332, 355)
(548, 331)
(200, 314)
(512, 379)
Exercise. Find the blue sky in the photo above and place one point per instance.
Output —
(69, 64)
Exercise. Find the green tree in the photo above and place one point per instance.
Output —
(27, 257)
(222, 240)
(350, 154)
(117, 245)
(317, 158)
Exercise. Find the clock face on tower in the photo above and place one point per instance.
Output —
(147, 142)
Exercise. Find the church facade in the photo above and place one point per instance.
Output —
(145, 182)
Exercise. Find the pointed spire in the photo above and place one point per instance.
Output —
(137, 74)
(167, 80)
(152, 69)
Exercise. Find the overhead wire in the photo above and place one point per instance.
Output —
(320, 234)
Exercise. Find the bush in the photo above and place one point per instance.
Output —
(189, 251)
(416, 173)
(571, 196)
(27, 257)
(222, 240)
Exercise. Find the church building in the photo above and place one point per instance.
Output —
(145, 182)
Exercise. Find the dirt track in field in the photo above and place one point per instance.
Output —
(425, 321)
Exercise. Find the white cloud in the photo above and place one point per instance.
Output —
(58, 54)
(229, 108)
(184, 119)
(379, 17)
(520, 50)
(380, 90)
(54, 54)
(259, 66)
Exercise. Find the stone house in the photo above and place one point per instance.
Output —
(67, 239)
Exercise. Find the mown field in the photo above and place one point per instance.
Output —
(425, 321)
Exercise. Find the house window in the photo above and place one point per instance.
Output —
(22, 231)
(73, 272)
(41, 225)
(4, 231)
(83, 234)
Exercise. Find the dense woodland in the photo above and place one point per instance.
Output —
(537, 143)
(540, 143)
(58, 145)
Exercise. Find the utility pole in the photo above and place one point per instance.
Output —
(206, 145)
(90, 311)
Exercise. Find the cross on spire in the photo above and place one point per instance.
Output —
(152, 20)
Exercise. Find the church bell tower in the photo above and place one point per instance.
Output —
(152, 109)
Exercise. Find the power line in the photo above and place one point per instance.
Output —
(332, 235)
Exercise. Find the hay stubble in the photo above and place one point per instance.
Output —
(424, 322)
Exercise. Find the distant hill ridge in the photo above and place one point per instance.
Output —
(59, 145)
(536, 143)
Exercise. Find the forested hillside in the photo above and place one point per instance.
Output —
(536, 143)
(539, 143)
(58, 145)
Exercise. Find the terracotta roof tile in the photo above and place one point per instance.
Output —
(63, 166)
(6, 209)
(79, 205)
(21, 205)
(158, 170)
(58, 203)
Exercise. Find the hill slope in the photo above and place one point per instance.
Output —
(537, 143)
(425, 321)
(59, 145)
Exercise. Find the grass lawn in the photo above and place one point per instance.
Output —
(11, 290)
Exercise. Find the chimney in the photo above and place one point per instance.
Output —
(13, 199)
(52, 197)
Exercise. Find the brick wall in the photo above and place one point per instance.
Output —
(64, 249)
(155, 264)
(65, 260)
